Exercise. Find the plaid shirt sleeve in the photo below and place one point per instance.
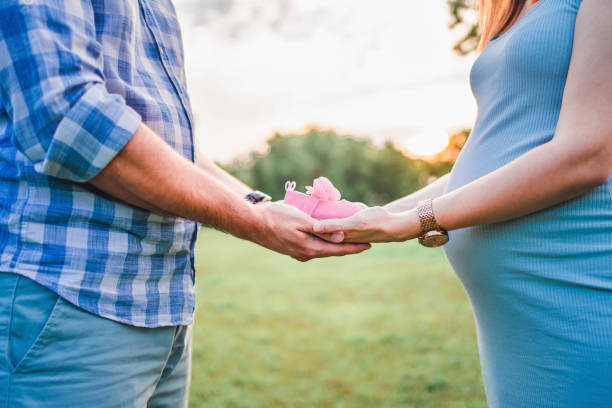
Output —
(52, 87)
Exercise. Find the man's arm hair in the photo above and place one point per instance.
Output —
(150, 174)
(150, 171)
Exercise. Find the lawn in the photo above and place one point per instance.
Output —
(391, 327)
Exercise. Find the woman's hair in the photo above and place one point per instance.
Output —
(496, 16)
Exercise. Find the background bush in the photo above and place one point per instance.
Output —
(361, 171)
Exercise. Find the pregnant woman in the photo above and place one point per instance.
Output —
(528, 205)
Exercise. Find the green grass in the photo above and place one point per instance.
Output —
(391, 327)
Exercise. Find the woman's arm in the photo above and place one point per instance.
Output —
(433, 190)
(577, 159)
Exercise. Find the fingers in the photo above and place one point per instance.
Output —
(317, 248)
(359, 237)
(332, 226)
(305, 246)
(335, 237)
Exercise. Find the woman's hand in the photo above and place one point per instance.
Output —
(287, 230)
(374, 224)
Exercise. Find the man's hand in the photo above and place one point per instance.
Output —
(144, 174)
(287, 230)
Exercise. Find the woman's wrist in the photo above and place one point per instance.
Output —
(403, 226)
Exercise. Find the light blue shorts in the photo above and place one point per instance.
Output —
(55, 355)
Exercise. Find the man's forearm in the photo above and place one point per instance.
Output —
(221, 175)
(434, 190)
(150, 174)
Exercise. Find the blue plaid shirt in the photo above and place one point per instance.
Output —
(77, 77)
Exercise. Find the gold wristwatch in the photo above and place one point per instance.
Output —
(431, 235)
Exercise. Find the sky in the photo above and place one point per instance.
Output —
(383, 70)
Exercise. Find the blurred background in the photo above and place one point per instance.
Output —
(375, 96)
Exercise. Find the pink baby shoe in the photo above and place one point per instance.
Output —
(322, 201)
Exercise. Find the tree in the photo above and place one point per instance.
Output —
(361, 171)
(464, 17)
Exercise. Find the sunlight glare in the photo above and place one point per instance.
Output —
(428, 143)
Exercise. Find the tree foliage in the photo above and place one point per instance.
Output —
(463, 17)
(361, 171)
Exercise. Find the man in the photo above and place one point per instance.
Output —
(97, 187)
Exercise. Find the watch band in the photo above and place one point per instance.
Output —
(431, 235)
(257, 197)
(426, 216)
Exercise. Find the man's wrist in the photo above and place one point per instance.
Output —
(261, 223)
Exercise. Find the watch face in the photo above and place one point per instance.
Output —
(433, 239)
(257, 197)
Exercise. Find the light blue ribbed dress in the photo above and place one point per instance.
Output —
(540, 285)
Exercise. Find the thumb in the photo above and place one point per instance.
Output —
(328, 226)
(336, 237)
